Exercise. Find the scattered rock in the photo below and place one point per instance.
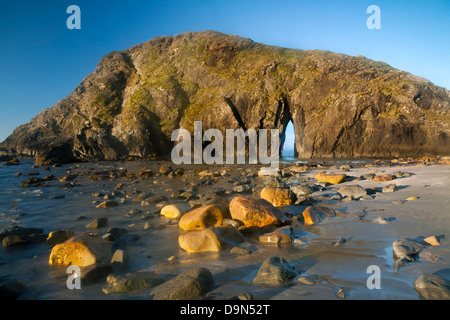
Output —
(279, 236)
(165, 169)
(310, 279)
(242, 189)
(383, 178)
(211, 239)
(401, 174)
(82, 250)
(241, 296)
(368, 176)
(120, 259)
(275, 270)
(176, 210)
(19, 232)
(55, 154)
(97, 223)
(116, 232)
(253, 212)
(355, 191)
(19, 240)
(315, 214)
(203, 217)
(94, 272)
(278, 197)
(382, 220)
(59, 236)
(240, 251)
(131, 281)
(433, 240)
(340, 293)
(12, 162)
(107, 204)
(339, 243)
(432, 287)
(412, 198)
(330, 178)
(302, 190)
(406, 250)
(390, 188)
(187, 285)
(268, 171)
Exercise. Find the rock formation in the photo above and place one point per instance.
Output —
(340, 105)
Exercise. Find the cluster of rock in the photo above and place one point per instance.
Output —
(429, 286)
(211, 224)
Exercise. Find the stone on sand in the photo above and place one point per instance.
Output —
(278, 197)
(187, 285)
(203, 217)
(254, 212)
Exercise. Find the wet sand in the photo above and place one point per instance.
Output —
(337, 267)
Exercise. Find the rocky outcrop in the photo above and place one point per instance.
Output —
(341, 106)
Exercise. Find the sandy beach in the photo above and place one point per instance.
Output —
(330, 258)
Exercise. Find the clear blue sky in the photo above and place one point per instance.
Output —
(41, 61)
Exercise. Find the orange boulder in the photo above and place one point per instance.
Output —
(315, 214)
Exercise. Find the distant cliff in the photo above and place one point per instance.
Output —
(341, 106)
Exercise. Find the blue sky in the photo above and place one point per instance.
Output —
(41, 61)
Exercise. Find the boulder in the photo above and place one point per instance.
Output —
(165, 169)
(82, 250)
(187, 285)
(390, 188)
(302, 190)
(107, 204)
(211, 239)
(278, 197)
(279, 236)
(407, 247)
(203, 217)
(94, 272)
(58, 154)
(275, 270)
(383, 178)
(315, 214)
(97, 223)
(20, 240)
(268, 171)
(352, 190)
(59, 236)
(330, 178)
(432, 240)
(432, 287)
(131, 281)
(176, 210)
(19, 232)
(12, 162)
(120, 259)
(254, 212)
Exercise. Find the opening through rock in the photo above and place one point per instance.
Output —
(288, 147)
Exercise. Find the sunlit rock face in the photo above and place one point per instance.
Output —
(340, 106)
